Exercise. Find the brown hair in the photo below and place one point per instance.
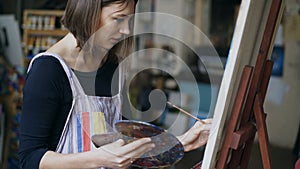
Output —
(82, 17)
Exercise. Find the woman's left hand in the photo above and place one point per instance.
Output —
(196, 136)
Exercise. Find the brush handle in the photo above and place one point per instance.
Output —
(185, 112)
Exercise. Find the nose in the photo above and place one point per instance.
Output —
(125, 28)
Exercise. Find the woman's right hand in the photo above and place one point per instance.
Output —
(119, 155)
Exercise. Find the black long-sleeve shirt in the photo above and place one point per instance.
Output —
(46, 103)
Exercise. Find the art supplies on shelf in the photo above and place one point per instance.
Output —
(42, 28)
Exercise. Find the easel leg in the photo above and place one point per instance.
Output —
(262, 132)
(235, 160)
(247, 152)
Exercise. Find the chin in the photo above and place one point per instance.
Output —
(107, 47)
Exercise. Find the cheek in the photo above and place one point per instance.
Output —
(102, 38)
(109, 29)
(99, 38)
(103, 33)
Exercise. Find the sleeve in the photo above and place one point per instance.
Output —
(41, 103)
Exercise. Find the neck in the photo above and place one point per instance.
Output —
(90, 59)
(85, 60)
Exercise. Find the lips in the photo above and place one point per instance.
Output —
(115, 40)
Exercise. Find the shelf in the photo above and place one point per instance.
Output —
(55, 32)
(43, 12)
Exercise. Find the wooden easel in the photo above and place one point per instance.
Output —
(248, 115)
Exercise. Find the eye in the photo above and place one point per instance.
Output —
(119, 20)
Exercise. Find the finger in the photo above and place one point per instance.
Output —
(200, 141)
(138, 142)
(138, 146)
(136, 150)
(206, 127)
(129, 161)
(203, 138)
(125, 149)
(119, 143)
(121, 166)
(208, 121)
(196, 136)
(124, 161)
(125, 164)
(198, 127)
(111, 148)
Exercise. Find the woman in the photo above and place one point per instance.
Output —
(60, 105)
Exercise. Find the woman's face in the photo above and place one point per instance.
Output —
(115, 24)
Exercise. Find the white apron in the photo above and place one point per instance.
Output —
(88, 115)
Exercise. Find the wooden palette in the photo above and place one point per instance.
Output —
(168, 149)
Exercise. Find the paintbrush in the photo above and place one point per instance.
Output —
(185, 112)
